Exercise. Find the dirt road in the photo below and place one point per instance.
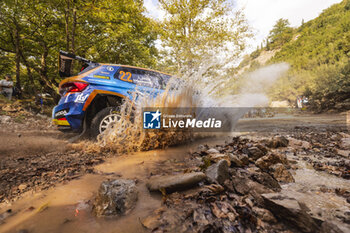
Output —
(48, 186)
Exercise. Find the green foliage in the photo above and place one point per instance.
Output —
(33, 31)
(196, 30)
(280, 34)
(319, 57)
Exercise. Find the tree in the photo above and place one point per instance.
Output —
(33, 31)
(194, 30)
(281, 33)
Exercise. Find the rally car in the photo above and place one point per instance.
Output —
(90, 100)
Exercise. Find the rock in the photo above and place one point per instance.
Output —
(345, 143)
(343, 153)
(218, 173)
(5, 119)
(264, 215)
(290, 211)
(22, 187)
(266, 180)
(281, 174)
(235, 161)
(299, 144)
(255, 153)
(279, 141)
(151, 222)
(344, 135)
(330, 227)
(213, 151)
(115, 197)
(244, 159)
(175, 182)
(215, 157)
(244, 186)
(270, 159)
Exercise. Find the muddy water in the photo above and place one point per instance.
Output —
(316, 190)
(67, 208)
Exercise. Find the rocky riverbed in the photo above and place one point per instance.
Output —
(295, 181)
(256, 186)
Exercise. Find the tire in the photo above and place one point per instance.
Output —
(102, 119)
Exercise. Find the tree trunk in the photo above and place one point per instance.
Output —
(66, 17)
(18, 58)
(73, 29)
(50, 83)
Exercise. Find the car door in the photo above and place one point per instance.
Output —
(145, 82)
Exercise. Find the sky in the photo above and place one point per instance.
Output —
(263, 14)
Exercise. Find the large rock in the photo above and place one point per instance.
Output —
(244, 186)
(255, 153)
(218, 172)
(279, 141)
(281, 174)
(115, 197)
(268, 160)
(175, 182)
(299, 144)
(266, 180)
(330, 227)
(291, 212)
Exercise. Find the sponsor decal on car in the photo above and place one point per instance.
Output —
(101, 76)
(81, 98)
(61, 113)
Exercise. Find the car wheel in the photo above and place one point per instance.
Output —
(103, 119)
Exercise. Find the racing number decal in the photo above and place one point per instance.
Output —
(127, 78)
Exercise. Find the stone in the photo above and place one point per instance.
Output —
(115, 198)
(240, 185)
(213, 151)
(5, 119)
(266, 180)
(343, 153)
(281, 174)
(299, 144)
(235, 161)
(344, 135)
(279, 141)
(270, 159)
(22, 187)
(244, 186)
(345, 143)
(255, 153)
(244, 159)
(151, 222)
(330, 227)
(264, 214)
(218, 172)
(174, 183)
(291, 212)
(215, 157)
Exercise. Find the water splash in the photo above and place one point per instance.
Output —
(193, 90)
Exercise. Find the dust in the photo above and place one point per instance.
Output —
(192, 90)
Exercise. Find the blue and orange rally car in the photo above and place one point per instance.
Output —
(89, 101)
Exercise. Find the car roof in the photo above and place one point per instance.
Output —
(134, 67)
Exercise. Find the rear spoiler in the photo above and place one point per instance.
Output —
(66, 61)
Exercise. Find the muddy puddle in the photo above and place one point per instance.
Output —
(316, 190)
(67, 208)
